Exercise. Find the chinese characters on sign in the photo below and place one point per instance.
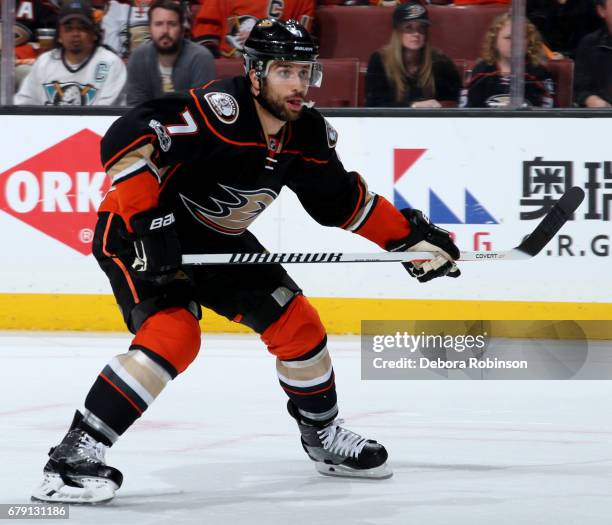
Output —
(544, 182)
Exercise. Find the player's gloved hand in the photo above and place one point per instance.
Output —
(427, 237)
(157, 251)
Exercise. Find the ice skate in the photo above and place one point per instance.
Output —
(76, 471)
(337, 451)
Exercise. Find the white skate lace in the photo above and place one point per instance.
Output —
(341, 441)
(90, 449)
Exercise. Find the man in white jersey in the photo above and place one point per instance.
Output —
(78, 71)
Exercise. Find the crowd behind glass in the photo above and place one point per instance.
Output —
(124, 52)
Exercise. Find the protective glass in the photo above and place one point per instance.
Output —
(308, 73)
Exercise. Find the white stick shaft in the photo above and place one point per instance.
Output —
(333, 257)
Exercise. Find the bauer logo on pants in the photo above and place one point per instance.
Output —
(58, 190)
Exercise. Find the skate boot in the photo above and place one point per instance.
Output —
(337, 451)
(76, 471)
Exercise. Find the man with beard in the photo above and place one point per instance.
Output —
(169, 62)
(190, 173)
(77, 62)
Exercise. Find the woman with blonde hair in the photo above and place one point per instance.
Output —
(489, 85)
(408, 72)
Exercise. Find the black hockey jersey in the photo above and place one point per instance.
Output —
(488, 87)
(205, 154)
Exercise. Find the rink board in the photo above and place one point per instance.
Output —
(484, 179)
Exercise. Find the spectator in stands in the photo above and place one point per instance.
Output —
(224, 25)
(593, 76)
(563, 23)
(408, 71)
(169, 62)
(126, 25)
(78, 71)
(30, 17)
(489, 85)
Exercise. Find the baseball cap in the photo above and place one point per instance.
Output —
(79, 9)
(410, 12)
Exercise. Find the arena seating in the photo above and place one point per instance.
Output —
(349, 34)
(344, 80)
(354, 31)
(229, 67)
(562, 73)
(458, 31)
(463, 67)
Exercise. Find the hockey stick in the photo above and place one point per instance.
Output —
(533, 244)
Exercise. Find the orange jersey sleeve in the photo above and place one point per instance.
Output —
(143, 146)
(303, 11)
(226, 23)
(208, 26)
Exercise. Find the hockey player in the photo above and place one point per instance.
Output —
(190, 173)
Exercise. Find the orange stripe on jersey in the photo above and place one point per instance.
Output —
(386, 223)
(128, 279)
(316, 161)
(118, 262)
(211, 128)
(307, 159)
(121, 392)
(359, 205)
(209, 83)
(136, 194)
(129, 146)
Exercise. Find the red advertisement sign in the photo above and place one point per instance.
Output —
(58, 190)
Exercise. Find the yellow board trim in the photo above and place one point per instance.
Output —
(340, 315)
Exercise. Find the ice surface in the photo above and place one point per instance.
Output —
(217, 447)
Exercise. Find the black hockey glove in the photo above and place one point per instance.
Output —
(427, 237)
(157, 252)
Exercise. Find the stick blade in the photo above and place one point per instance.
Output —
(554, 220)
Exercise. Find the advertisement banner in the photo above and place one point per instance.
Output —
(487, 180)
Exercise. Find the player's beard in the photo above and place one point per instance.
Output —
(277, 105)
(169, 49)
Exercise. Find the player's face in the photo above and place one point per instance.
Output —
(166, 30)
(504, 41)
(414, 35)
(76, 36)
(285, 88)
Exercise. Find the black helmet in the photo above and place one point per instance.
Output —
(288, 41)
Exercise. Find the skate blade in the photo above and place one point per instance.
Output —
(381, 472)
(94, 491)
